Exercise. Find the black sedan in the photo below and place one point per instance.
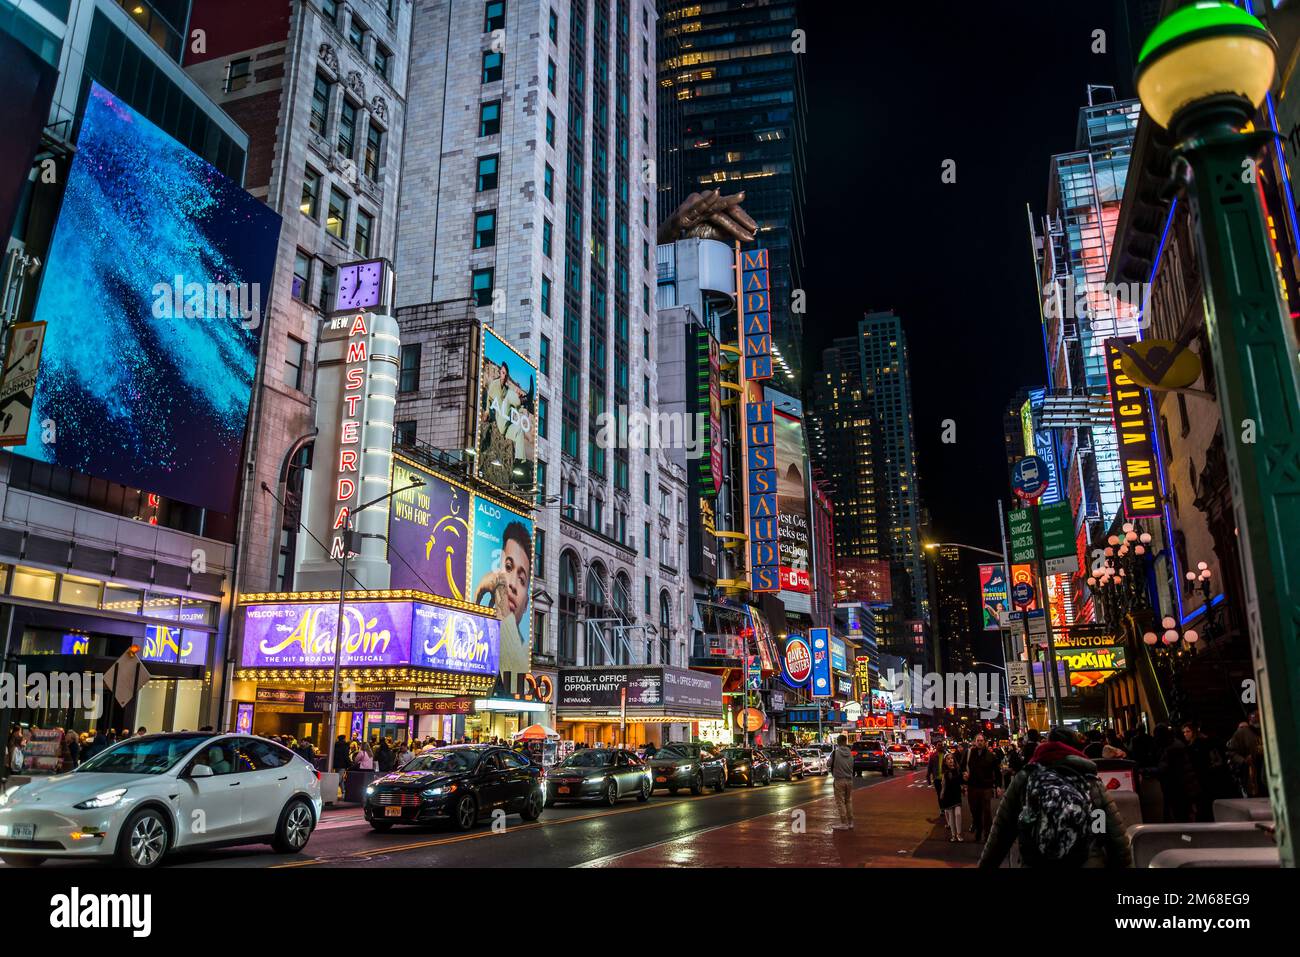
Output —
(598, 774)
(870, 755)
(747, 766)
(461, 783)
(786, 762)
(688, 766)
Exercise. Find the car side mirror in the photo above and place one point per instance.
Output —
(200, 771)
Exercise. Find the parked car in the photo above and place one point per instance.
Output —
(814, 761)
(599, 774)
(136, 801)
(460, 783)
(747, 766)
(902, 756)
(869, 755)
(786, 762)
(688, 766)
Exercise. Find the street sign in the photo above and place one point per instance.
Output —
(1018, 678)
(125, 677)
(1029, 478)
(1060, 556)
(1022, 593)
(821, 662)
(1022, 536)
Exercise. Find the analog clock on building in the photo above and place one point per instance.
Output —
(361, 285)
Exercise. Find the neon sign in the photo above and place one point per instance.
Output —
(354, 378)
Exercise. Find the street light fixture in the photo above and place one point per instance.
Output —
(1203, 73)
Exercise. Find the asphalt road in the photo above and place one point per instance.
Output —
(564, 836)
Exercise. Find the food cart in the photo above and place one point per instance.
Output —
(542, 744)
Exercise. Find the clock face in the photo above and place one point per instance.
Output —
(361, 286)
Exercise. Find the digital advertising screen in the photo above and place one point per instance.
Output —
(153, 297)
(994, 595)
(507, 437)
(792, 504)
(428, 534)
(502, 574)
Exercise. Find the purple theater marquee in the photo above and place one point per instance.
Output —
(376, 634)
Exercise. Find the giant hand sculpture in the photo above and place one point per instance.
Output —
(709, 215)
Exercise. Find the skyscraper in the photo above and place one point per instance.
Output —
(731, 117)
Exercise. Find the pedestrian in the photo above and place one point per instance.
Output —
(1203, 758)
(71, 751)
(934, 776)
(841, 763)
(1174, 771)
(405, 756)
(142, 730)
(341, 757)
(982, 784)
(950, 796)
(1049, 811)
(1246, 755)
(1096, 742)
(384, 757)
(14, 758)
(1032, 739)
(365, 759)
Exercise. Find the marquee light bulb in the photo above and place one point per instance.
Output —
(1149, 638)
(1168, 622)
(1170, 636)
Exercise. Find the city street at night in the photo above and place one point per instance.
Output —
(852, 443)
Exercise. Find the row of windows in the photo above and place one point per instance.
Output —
(346, 140)
(336, 216)
(357, 33)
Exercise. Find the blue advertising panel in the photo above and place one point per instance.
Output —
(1045, 449)
(839, 655)
(153, 297)
(820, 638)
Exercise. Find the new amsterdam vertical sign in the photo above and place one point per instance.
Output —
(760, 435)
(1131, 409)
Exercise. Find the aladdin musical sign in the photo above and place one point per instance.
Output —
(375, 634)
(1131, 409)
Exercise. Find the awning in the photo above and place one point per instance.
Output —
(536, 732)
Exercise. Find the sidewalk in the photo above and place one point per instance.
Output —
(897, 824)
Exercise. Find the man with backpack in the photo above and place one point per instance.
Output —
(1059, 813)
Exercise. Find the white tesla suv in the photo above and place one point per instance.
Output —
(146, 796)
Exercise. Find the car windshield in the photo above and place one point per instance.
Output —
(443, 762)
(589, 759)
(809, 754)
(676, 751)
(736, 754)
(143, 755)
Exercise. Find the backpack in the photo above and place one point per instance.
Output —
(16, 762)
(1055, 819)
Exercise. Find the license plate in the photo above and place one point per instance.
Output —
(661, 779)
(23, 832)
(392, 812)
(563, 790)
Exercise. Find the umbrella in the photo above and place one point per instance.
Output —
(536, 732)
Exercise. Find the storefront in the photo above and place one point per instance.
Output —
(394, 653)
(631, 706)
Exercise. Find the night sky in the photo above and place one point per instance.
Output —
(894, 89)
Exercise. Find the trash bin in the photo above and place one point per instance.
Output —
(354, 788)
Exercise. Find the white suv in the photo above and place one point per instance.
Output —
(148, 795)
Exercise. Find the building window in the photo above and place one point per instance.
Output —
(357, 35)
(485, 229)
(239, 74)
(544, 356)
(491, 66)
(328, 276)
(550, 129)
(554, 27)
(494, 15)
(489, 118)
(646, 489)
(293, 363)
(310, 205)
(548, 183)
(404, 433)
(481, 286)
(383, 60)
(543, 408)
(547, 230)
(330, 8)
(338, 213)
(347, 128)
(550, 74)
(364, 232)
(487, 173)
(301, 287)
(541, 482)
(645, 389)
(409, 379)
(320, 104)
(374, 151)
(546, 296)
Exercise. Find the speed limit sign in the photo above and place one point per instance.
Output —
(1018, 678)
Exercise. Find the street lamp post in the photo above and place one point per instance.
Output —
(338, 631)
(1203, 73)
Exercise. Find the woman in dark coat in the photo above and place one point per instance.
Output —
(950, 796)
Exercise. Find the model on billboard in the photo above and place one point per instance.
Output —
(503, 577)
(507, 586)
(18, 383)
(507, 443)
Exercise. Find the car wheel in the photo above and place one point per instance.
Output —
(21, 860)
(856, 772)
(751, 780)
(722, 783)
(672, 790)
(697, 786)
(533, 806)
(644, 794)
(144, 840)
(611, 793)
(382, 826)
(294, 829)
(465, 813)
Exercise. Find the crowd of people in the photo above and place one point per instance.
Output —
(74, 747)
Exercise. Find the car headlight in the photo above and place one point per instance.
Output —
(104, 799)
(4, 795)
(742, 767)
(438, 792)
(683, 767)
(370, 789)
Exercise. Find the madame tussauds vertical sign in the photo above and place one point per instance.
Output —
(760, 437)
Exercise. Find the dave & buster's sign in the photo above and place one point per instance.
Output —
(1131, 410)
(796, 662)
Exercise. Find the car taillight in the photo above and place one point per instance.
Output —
(317, 774)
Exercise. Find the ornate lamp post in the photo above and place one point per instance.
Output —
(1203, 73)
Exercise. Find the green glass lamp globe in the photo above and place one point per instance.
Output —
(1210, 51)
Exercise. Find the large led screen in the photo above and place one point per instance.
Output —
(507, 440)
(153, 292)
(792, 504)
(502, 573)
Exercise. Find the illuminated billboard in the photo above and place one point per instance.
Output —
(1131, 409)
(428, 533)
(792, 503)
(995, 596)
(502, 573)
(153, 295)
(507, 440)
(760, 438)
